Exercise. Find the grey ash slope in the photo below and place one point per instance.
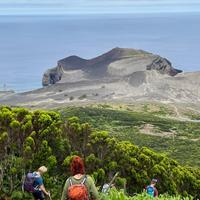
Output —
(120, 75)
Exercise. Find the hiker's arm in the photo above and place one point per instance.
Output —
(155, 192)
(93, 190)
(44, 190)
(64, 193)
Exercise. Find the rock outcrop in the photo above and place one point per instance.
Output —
(164, 66)
(51, 76)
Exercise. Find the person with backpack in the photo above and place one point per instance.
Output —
(151, 189)
(79, 186)
(34, 183)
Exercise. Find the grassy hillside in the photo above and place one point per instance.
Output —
(154, 126)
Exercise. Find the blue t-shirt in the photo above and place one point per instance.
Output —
(38, 181)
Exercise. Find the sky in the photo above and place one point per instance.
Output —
(13, 7)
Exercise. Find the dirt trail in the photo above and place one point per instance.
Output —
(180, 117)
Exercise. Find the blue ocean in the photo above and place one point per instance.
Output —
(29, 45)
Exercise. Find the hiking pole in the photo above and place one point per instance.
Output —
(113, 179)
(111, 182)
(23, 180)
(50, 196)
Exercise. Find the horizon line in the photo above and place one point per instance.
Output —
(98, 13)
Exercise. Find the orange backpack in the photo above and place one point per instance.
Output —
(78, 191)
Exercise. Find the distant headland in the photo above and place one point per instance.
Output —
(120, 75)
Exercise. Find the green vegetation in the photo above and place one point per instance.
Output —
(193, 116)
(119, 195)
(31, 139)
(84, 96)
(179, 140)
(71, 98)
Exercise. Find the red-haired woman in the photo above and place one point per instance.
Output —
(79, 186)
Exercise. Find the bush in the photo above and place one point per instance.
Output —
(84, 96)
(71, 98)
(16, 195)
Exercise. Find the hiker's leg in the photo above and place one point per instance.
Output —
(35, 196)
(39, 195)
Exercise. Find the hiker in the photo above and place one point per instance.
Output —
(79, 186)
(39, 189)
(151, 189)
